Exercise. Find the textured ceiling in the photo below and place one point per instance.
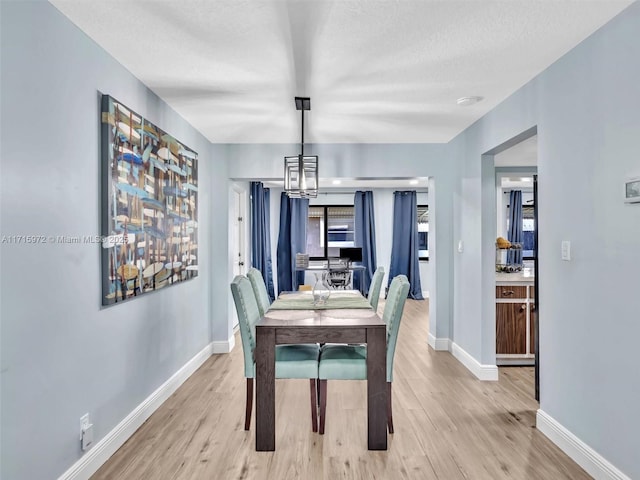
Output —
(376, 70)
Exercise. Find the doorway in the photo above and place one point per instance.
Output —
(516, 256)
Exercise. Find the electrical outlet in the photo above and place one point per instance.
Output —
(87, 438)
(84, 423)
(86, 432)
(566, 250)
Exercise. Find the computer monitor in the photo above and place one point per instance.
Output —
(353, 254)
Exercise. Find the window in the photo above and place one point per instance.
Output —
(423, 232)
(329, 228)
(528, 231)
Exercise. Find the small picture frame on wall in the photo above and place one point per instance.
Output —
(632, 190)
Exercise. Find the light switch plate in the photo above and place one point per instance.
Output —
(460, 246)
(566, 250)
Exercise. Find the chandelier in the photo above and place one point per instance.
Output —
(301, 171)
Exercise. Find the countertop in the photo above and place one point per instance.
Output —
(526, 276)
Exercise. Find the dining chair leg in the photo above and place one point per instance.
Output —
(389, 409)
(314, 404)
(323, 404)
(249, 404)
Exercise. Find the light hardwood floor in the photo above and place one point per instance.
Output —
(448, 426)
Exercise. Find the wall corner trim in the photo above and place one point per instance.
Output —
(483, 372)
(223, 347)
(90, 462)
(581, 453)
(439, 344)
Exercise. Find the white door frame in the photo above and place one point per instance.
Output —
(238, 226)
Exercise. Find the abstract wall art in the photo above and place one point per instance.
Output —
(149, 206)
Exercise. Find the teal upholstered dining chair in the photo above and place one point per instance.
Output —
(374, 288)
(259, 289)
(292, 361)
(349, 362)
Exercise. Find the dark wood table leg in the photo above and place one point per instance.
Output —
(265, 356)
(377, 387)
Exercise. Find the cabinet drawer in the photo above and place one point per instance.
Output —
(508, 291)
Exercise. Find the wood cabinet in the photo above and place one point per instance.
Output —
(511, 328)
(511, 292)
(515, 324)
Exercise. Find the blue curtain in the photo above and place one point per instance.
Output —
(514, 257)
(260, 234)
(292, 239)
(365, 237)
(404, 249)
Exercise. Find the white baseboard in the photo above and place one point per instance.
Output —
(100, 453)
(439, 344)
(225, 346)
(581, 453)
(483, 372)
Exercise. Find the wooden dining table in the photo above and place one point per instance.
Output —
(293, 318)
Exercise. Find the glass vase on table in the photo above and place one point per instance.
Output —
(321, 291)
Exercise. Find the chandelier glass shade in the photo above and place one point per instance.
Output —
(301, 171)
(301, 176)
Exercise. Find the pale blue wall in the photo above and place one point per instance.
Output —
(586, 109)
(62, 354)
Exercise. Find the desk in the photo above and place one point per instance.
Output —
(321, 326)
(325, 268)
